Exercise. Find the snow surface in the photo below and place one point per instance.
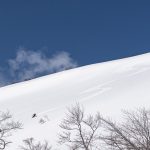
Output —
(105, 87)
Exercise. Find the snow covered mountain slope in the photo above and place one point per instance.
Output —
(106, 87)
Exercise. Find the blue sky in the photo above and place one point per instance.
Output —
(81, 31)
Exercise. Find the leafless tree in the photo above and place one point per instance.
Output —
(31, 145)
(79, 131)
(132, 134)
(7, 126)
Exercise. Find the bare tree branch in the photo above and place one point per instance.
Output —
(29, 144)
(132, 134)
(79, 131)
(7, 126)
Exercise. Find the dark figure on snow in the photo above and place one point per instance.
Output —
(34, 115)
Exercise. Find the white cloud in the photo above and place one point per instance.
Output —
(30, 64)
(3, 80)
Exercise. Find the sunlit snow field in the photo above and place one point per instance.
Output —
(106, 87)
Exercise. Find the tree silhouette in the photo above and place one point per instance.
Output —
(30, 144)
(133, 133)
(80, 131)
(7, 126)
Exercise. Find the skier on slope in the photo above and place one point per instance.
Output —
(34, 115)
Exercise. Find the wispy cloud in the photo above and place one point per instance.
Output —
(30, 64)
(2, 80)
